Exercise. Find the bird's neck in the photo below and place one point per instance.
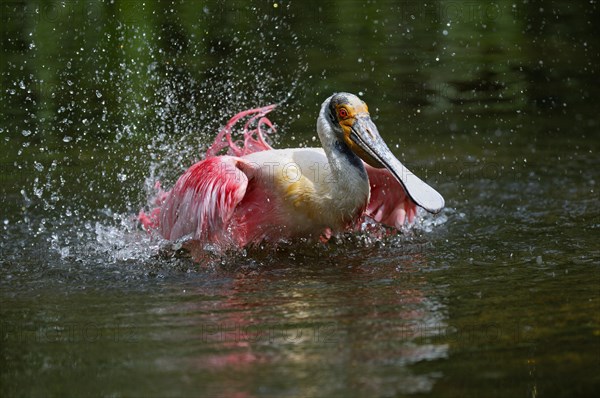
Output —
(347, 169)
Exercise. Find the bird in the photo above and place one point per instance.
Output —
(255, 193)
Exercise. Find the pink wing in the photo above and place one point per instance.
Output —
(203, 200)
(206, 195)
(389, 203)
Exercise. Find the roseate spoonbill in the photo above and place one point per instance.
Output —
(256, 193)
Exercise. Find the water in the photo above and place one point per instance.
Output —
(495, 106)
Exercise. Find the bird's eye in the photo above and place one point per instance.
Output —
(343, 113)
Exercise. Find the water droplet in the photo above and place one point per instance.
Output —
(98, 94)
(445, 32)
(22, 85)
(66, 138)
(26, 133)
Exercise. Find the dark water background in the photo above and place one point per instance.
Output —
(494, 104)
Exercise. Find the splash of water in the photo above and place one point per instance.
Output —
(142, 112)
(95, 140)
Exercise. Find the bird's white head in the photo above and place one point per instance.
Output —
(347, 118)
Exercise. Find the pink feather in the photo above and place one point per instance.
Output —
(203, 200)
(389, 203)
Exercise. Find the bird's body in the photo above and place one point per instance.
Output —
(312, 194)
(265, 194)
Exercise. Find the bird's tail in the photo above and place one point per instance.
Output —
(253, 139)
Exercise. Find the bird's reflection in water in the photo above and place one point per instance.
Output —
(368, 316)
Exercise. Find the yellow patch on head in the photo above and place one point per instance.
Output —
(346, 114)
(349, 110)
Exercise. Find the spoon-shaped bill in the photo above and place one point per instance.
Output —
(376, 153)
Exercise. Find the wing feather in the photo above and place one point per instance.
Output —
(204, 199)
(388, 203)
